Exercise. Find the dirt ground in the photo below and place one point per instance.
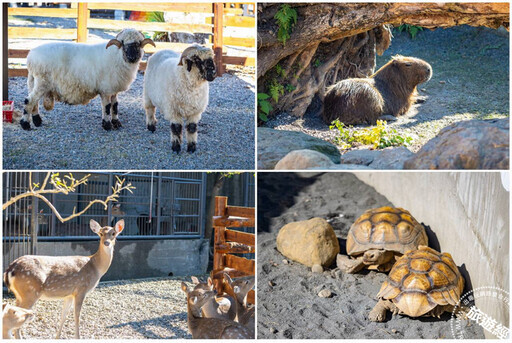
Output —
(288, 304)
(470, 81)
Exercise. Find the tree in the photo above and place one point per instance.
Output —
(65, 185)
(333, 41)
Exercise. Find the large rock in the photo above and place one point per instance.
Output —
(309, 242)
(273, 145)
(304, 159)
(473, 144)
(390, 158)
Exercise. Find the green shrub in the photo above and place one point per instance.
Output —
(264, 106)
(412, 30)
(285, 18)
(380, 136)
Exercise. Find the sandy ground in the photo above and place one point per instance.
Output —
(470, 81)
(143, 308)
(288, 304)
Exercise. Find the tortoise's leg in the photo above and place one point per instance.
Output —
(349, 265)
(378, 314)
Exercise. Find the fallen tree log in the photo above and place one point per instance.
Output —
(334, 41)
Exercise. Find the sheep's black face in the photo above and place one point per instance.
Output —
(206, 68)
(132, 52)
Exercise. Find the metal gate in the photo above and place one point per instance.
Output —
(163, 205)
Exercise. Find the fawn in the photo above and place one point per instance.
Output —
(62, 277)
(240, 287)
(13, 317)
(212, 309)
(210, 328)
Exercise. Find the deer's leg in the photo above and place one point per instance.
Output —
(65, 310)
(79, 300)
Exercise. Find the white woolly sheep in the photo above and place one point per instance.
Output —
(178, 86)
(75, 73)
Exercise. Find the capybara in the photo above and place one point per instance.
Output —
(390, 91)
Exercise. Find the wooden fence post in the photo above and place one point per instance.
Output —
(218, 25)
(221, 204)
(81, 23)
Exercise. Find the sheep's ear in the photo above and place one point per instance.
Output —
(114, 42)
(147, 41)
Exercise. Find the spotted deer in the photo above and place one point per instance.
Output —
(70, 278)
(212, 309)
(240, 287)
(210, 328)
(13, 317)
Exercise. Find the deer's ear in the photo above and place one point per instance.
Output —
(227, 278)
(184, 287)
(95, 227)
(119, 226)
(210, 281)
(194, 280)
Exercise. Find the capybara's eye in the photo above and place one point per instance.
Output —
(408, 64)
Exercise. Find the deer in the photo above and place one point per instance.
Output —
(70, 278)
(210, 328)
(239, 289)
(13, 317)
(212, 309)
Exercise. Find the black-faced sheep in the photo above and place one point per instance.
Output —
(76, 73)
(178, 86)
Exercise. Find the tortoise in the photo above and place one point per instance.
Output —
(378, 237)
(422, 282)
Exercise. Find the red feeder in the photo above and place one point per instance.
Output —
(7, 114)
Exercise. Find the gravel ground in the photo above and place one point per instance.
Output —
(144, 308)
(465, 60)
(72, 137)
(288, 301)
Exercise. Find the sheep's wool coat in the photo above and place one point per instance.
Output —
(178, 93)
(76, 73)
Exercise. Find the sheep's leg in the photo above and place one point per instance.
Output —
(116, 124)
(191, 133)
(32, 107)
(150, 115)
(176, 136)
(106, 121)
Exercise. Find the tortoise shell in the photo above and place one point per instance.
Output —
(422, 279)
(385, 228)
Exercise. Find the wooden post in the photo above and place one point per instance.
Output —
(221, 204)
(81, 22)
(218, 28)
(5, 53)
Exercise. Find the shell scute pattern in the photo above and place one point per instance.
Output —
(422, 279)
(387, 228)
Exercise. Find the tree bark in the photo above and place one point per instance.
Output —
(333, 41)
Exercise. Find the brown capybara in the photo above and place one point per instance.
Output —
(390, 91)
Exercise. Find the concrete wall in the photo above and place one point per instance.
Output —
(141, 258)
(468, 214)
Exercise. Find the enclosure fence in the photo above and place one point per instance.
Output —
(219, 17)
(162, 206)
(230, 244)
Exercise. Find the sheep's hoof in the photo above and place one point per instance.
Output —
(176, 147)
(106, 125)
(191, 147)
(152, 127)
(36, 119)
(25, 124)
(116, 124)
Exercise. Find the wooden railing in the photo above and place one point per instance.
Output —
(218, 18)
(228, 242)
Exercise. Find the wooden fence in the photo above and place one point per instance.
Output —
(219, 16)
(229, 242)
